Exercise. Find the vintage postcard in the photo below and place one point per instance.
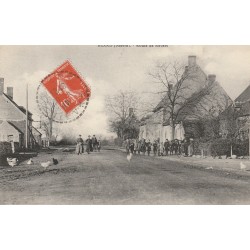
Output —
(124, 124)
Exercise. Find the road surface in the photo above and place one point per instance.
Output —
(107, 178)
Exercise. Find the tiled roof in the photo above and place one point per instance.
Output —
(14, 126)
(21, 108)
(245, 108)
(197, 71)
(33, 128)
(244, 96)
(20, 125)
(24, 110)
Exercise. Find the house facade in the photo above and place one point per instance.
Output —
(156, 125)
(13, 120)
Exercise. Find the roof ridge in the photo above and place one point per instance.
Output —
(15, 127)
(13, 102)
(243, 93)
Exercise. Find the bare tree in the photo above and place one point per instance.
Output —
(49, 110)
(122, 109)
(177, 95)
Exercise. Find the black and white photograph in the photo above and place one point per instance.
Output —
(124, 125)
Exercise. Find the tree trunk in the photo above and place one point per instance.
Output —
(172, 129)
(50, 129)
(172, 133)
(231, 150)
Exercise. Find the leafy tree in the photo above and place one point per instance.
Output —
(121, 109)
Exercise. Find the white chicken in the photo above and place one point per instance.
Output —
(242, 166)
(12, 161)
(66, 150)
(129, 157)
(30, 161)
(209, 168)
(46, 164)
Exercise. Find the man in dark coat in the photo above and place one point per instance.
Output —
(155, 147)
(132, 147)
(99, 145)
(186, 143)
(166, 146)
(94, 142)
(143, 146)
(176, 147)
(91, 144)
(88, 144)
(148, 147)
(127, 144)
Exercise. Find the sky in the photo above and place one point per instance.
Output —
(110, 69)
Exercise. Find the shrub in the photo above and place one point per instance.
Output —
(5, 148)
(220, 147)
(223, 147)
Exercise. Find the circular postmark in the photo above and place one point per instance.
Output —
(54, 108)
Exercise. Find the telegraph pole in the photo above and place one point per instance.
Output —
(27, 118)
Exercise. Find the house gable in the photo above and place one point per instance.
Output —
(7, 129)
(196, 82)
(244, 96)
(9, 110)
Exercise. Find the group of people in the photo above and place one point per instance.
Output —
(175, 147)
(91, 144)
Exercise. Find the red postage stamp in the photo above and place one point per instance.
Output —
(67, 87)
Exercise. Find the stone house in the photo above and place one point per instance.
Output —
(156, 125)
(13, 121)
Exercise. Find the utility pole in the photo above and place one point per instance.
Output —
(27, 118)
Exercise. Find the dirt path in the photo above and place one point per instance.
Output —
(106, 178)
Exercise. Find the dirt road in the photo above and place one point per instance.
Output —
(107, 178)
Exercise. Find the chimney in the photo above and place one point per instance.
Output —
(1, 85)
(10, 92)
(211, 78)
(191, 61)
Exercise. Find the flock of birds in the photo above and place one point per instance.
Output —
(14, 162)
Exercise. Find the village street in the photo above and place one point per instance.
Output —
(107, 178)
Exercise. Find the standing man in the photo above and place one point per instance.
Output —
(191, 147)
(132, 147)
(176, 147)
(88, 144)
(186, 147)
(143, 146)
(79, 145)
(148, 146)
(166, 147)
(127, 144)
(139, 147)
(155, 148)
(94, 142)
(99, 145)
